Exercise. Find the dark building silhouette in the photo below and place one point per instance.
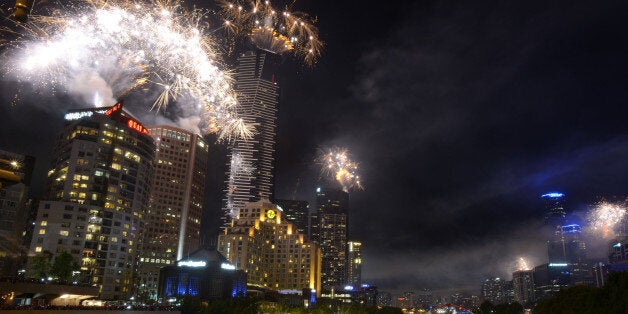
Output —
(296, 212)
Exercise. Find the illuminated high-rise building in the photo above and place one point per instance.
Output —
(354, 267)
(15, 176)
(258, 96)
(523, 285)
(330, 234)
(270, 250)
(495, 290)
(98, 194)
(173, 223)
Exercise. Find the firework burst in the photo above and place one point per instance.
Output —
(606, 217)
(336, 163)
(275, 30)
(522, 264)
(122, 46)
(238, 168)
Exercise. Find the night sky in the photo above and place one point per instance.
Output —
(461, 115)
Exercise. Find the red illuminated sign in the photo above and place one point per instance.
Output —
(113, 109)
(136, 126)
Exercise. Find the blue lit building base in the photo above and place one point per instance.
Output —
(205, 274)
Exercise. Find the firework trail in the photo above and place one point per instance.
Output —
(239, 168)
(101, 49)
(605, 218)
(336, 163)
(270, 29)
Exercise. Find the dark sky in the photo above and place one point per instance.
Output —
(460, 113)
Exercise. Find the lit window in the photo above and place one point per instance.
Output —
(38, 249)
(44, 223)
(42, 231)
(64, 233)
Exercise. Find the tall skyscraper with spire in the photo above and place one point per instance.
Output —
(251, 176)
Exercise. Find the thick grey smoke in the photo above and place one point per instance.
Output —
(92, 89)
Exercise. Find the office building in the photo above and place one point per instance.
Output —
(270, 250)
(15, 177)
(173, 222)
(296, 212)
(618, 254)
(354, 267)
(98, 194)
(555, 214)
(550, 278)
(523, 285)
(495, 290)
(331, 235)
(258, 95)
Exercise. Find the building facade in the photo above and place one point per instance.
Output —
(296, 212)
(13, 209)
(354, 267)
(270, 250)
(205, 274)
(173, 222)
(98, 192)
(330, 234)
(495, 290)
(523, 285)
(258, 96)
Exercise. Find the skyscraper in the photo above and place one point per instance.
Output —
(523, 284)
(354, 267)
(258, 95)
(331, 235)
(495, 290)
(554, 209)
(13, 209)
(173, 223)
(296, 212)
(98, 193)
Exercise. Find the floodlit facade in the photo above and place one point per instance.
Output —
(258, 96)
(204, 274)
(174, 219)
(98, 194)
(270, 250)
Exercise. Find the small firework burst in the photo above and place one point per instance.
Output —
(605, 217)
(336, 162)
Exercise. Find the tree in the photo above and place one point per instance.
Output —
(63, 267)
(612, 298)
(40, 265)
(486, 307)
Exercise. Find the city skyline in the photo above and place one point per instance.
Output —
(462, 115)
